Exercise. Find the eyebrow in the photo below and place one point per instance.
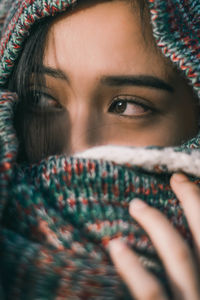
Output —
(56, 73)
(121, 80)
(138, 80)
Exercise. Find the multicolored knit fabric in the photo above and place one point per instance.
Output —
(58, 216)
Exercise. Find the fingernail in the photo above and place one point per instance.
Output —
(179, 177)
(137, 204)
(116, 245)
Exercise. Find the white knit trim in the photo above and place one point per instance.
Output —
(147, 158)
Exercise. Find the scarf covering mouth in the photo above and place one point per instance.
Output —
(58, 216)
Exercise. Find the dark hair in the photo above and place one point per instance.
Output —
(38, 130)
(41, 133)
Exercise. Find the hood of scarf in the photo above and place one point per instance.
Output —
(58, 216)
(175, 27)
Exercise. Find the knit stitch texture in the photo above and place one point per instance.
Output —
(57, 216)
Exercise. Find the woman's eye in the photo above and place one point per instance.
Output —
(42, 100)
(128, 108)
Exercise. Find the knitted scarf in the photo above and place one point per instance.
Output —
(57, 217)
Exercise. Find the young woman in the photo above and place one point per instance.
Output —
(93, 75)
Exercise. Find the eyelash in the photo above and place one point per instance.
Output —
(37, 103)
(36, 98)
(129, 100)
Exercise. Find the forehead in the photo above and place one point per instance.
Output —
(104, 35)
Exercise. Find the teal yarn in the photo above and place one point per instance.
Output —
(17, 24)
(175, 26)
(58, 216)
(176, 30)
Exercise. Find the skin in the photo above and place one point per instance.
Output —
(86, 52)
(88, 46)
(175, 254)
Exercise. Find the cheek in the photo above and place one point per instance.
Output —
(41, 135)
(165, 132)
(185, 119)
(121, 131)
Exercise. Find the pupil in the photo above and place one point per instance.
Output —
(120, 107)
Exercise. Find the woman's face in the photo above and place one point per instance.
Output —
(115, 86)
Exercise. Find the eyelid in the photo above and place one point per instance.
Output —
(48, 96)
(149, 108)
(42, 93)
(42, 89)
(135, 100)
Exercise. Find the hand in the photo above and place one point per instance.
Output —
(181, 265)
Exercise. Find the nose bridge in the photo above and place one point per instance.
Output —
(80, 123)
(87, 126)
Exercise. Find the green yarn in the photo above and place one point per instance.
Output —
(58, 216)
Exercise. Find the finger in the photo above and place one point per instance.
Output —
(172, 249)
(189, 195)
(141, 283)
